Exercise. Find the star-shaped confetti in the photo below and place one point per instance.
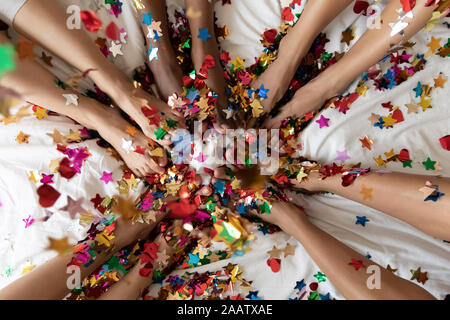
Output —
(22, 137)
(107, 177)
(203, 34)
(361, 220)
(71, 99)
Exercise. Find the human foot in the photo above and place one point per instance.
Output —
(132, 146)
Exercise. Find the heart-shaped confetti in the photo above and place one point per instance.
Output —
(47, 195)
(274, 264)
(90, 20)
(361, 6)
(112, 32)
(445, 142)
(65, 169)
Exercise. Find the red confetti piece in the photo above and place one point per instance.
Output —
(357, 264)
(398, 115)
(65, 169)
(47, 195)
(361, 6)
(408, 5)
(112, 32)
(404, 155)
(181, 210)
(313, 286)
(274, 264)
(287, 14)
(90, 21)
(445, 142)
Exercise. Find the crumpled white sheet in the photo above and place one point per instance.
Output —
(386, 239)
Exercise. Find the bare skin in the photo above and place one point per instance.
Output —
(200, 49)
(43, 21)
(168, 74)
(35, 285)
(36, 84)
(333, 258)
(366, 52)
(395, 194)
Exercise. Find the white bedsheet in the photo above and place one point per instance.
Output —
(387, 240)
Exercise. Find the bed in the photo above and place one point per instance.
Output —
(384, 239)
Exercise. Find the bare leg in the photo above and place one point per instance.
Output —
(201, 48)
(294, 46)
(44, 22)
(49, 281)
(367, 51)
(339, 262)
(37, 85)
(395, 194)
(133, 284)
(167, 72)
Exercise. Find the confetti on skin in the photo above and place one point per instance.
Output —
(361, 220)
(147, 18)
(357, 264)
(366, 192)
(127, 145)
(152, 53)
(431, 192)
(107, 177)
(7, 62)
(323, 122)
(203, 34)
(342, 156)
(116, 49)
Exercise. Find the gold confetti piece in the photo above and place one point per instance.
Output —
(390, 154)
(192, 14)
(57, 137)
(131, 130)
(54, 165)
(22, 138)
(380, 162)
(440, 81)
(412, 108)
(138, 4)
(32, 177)
(158, 152)
(27, 269)
(289, 250)
(62, 246)
(125, 207)
(275, 252)
(74, 136)
(366, 192)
